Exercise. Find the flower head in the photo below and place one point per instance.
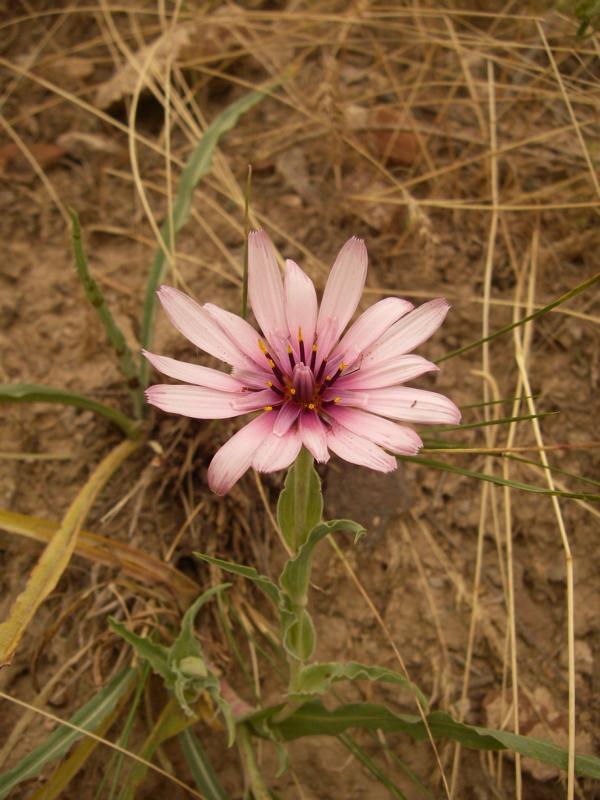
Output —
(311, 383)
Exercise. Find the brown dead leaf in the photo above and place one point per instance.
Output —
(77, 143)
(70, 67)
(15, 166)
(166, 47)
(389, 132)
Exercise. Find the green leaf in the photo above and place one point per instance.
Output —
(359, 753)
(300, 504)
(295, 577)
(37, 393)
(264, 583)
(90, 716)
(540, 312)
(203, 773)
(482, 476)
(186, 645)
(197, 166)
(297, 630)
(113, 332)
(312, 719)
(155, 654)
(318, 678)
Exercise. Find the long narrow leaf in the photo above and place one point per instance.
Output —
(113, 332)
(482, 476)
(68, 769)
(57, 554)
(540, 312)
(198, 165)
(90, 717)
(199, 765)
(111, 553)
(37, 393)
(313, 719)
(361, 755)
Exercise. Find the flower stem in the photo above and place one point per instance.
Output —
(251, 772)
(304, 465)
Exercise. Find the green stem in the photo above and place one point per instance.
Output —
(251, 771)
(304, 465)
(113, 332)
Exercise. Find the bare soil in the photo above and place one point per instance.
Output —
(379, 126)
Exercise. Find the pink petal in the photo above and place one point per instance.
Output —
(239, 331)
(413, 405)
(235, 456)
(327, 337)
(277, 452)
(312, 433)
(253, 379)
(197, 325)
(372, 324)
(264, 285)
(255, 401)
(346, 398)
(384, 432)
(288, 414)
(387, 373)
(300, 305)
(409, 332)
(198, 402)
(344, 287)
(193, 373)
(358, 450)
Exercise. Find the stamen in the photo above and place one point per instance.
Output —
(267, 408)
(301, 345)
(341, 368)
(336, 399)
(275, 389)
(291, 356)
(313, 357)
(292, 390)
(311, 406)
(321, 370)
(276, 371)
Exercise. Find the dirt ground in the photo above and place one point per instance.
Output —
(406, 125)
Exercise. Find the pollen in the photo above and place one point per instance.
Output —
(270, 384)
(336, 399)
(292, 390)
(262, 346)
(267, 408)
(271, 363)
(311, 406)
(299, 334)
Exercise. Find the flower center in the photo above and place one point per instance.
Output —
(298, 383)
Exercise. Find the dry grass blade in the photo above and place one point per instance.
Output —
(57, 554)
(111, 553)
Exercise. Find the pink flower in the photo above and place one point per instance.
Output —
(312, 385)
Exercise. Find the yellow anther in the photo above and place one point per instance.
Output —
(269, 384)
(261, 344)
(290, 348)
(299, 333)
(267, 408)
(342, 366)
(327, 377)
(336, 399)
(271, 363)
(314, 348)
(311, 406)
(292, 390)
